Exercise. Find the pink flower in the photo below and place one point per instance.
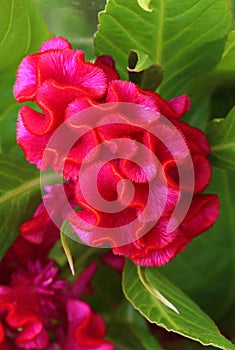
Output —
(62, 84)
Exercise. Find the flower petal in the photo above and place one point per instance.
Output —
(202, 214)
(57, 43)
(107, 64)
(26, 79)
(86, 329)
(32, 145)
(68, 68)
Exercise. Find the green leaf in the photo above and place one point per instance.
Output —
(8, 143)
(143, 71)
(222, 100)
(225, 70)
(107, 285)
(145, 5)
(200, 113)
(206, 269)
(127, 319)
(191, 321)
(19, 195)
(138, 338)
(232, 8)
(22, 30)
(186, 38)
(139, 61)
(65, 245)
(221, 135)
(227, 63)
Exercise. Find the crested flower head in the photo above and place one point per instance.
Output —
(83, 99)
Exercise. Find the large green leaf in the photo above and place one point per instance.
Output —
(19, 195)
(206, 269)
(141, 285)
(227, 63)
(138, 338)
(232, 7)
(8, 143)
(22, 30)
(221, 135)
(186, 38)
(128, 320)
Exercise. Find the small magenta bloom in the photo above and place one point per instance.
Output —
(28, 305)
(39, 310)
(86, 328)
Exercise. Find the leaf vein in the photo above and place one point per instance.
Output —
(10, 23)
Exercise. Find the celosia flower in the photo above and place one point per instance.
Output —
(62, 84)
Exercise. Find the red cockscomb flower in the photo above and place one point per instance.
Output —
(62, 84)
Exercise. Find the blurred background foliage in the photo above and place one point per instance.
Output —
(74, 19)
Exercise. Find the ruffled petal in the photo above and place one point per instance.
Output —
(86, 329)
(53, 99)
(156, 248)
(107, 64)
(180, 105)
(68, 68)
(196, 139)
(124, 91)
(26, 79)
(172, 109)
(202, 214)
(32, 145)
(22, 315)
(57, 43)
